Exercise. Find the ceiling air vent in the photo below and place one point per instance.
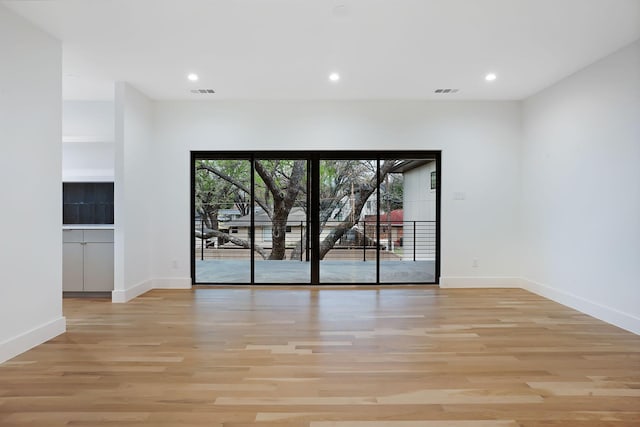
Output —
(446, 90)
(203, 91)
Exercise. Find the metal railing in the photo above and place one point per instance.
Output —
(396, 241)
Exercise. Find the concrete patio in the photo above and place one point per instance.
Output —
(331, 271)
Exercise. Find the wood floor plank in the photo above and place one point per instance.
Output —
(439, 423)
(326, 357)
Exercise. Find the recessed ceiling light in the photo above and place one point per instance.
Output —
(193, 77)
(490, 77)
(334, 77)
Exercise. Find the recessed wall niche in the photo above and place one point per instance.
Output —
(87, 203)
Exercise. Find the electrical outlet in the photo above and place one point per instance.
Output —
(174, 264)
(474, 264)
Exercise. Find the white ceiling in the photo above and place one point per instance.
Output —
(285, 49)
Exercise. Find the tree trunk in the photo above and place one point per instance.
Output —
(283, 202)
(279, 233)
(211, 218)
(300, 248)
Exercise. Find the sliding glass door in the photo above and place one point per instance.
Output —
(407, 218)
(280, 211)
(315, 218)
(347, 204)
(221, 200)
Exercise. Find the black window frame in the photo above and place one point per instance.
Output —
(314, 158)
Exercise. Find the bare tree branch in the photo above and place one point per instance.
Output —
(365, 192)
(228, 238)
(233, 181)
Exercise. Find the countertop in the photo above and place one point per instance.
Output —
(88, 227)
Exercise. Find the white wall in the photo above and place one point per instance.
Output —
(88, 161)
(84, 121)
(133, 188)
(581, 190)
(480, 143)
(30, 186)
(419, 204)
(88, 149)
(419, 200)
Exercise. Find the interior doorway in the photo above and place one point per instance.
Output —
(315, 217)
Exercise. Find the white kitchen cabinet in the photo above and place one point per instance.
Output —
(87, 260)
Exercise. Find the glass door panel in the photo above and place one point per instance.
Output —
(222, 221)
(347, 202)
(280, 219)
(408, 221)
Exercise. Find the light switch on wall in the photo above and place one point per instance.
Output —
(458, 195)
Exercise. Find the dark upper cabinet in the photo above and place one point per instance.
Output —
(87, 203)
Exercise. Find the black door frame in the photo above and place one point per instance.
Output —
(313, 188)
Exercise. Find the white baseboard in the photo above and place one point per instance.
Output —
(124, 295)
(172, 283)
(27, 340)
(479, 282)
(602, 312)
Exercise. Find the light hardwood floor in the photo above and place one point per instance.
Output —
(376, 357)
